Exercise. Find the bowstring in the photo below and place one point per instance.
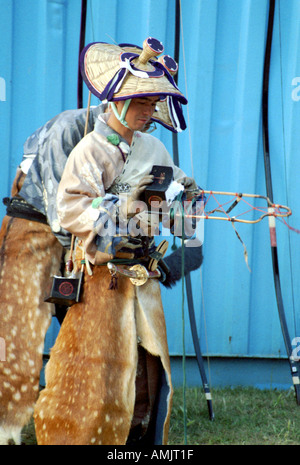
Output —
(92, 19)
(285, 163)
(183, 330)
(192, 170)
(186, 90)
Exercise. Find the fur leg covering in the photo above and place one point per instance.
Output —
(29, 254)
(90, 378)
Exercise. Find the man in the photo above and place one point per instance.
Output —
(108, 378)
(32, 246)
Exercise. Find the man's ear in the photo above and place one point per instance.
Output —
(118, 104)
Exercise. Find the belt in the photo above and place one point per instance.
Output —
(17, 207)
(138, 273)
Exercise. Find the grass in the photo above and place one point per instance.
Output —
(243, 416)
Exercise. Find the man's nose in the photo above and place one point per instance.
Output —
(148, 110)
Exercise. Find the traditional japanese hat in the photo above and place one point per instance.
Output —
(125, 71)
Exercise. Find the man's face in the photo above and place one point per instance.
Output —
(139, 112)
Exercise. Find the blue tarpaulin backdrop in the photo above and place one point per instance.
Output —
(221, 70)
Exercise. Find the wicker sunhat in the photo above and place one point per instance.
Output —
(124, 71)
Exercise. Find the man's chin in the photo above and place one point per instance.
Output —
(142, 124)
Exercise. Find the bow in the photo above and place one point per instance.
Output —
(269, 188)
(187, 276)
(81, 46)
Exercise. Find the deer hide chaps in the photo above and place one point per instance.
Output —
(90, 390)
(29, 254)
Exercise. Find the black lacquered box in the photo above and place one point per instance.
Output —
(154, 194)
(64, 291)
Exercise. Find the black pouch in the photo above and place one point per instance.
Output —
(65, 291)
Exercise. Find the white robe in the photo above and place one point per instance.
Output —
(90, 378)
(94, 168)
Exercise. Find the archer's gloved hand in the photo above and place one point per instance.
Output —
(131, 205)
(188, 183)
